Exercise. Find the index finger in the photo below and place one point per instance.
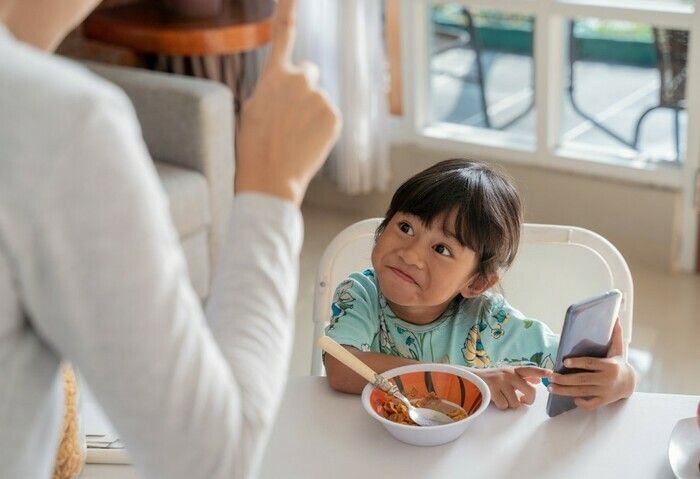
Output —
(283, 33)
(532, 371)
(527, 389)
(587, 363)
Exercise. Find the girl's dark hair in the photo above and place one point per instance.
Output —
(489, 212)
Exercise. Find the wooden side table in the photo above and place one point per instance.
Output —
(213, 47)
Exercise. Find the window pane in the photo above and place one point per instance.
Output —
(481, 70)
(661, 4)
(624, 89)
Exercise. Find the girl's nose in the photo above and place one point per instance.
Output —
(411, 255)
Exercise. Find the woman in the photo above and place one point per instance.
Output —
(91, 270)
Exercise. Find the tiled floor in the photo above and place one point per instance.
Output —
(666, 321)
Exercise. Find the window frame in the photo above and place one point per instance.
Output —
(550, 17)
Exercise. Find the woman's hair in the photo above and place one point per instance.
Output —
(489, 212)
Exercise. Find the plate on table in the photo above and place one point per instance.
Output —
(684, 449)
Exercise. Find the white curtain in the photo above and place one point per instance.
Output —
(345, 39)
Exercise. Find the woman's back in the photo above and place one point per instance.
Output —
(51, 117)
(91, 270)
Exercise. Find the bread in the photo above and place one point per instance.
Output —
(70, 457)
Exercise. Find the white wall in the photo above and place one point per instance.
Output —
(638, 219)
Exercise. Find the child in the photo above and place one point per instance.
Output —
(448, 232)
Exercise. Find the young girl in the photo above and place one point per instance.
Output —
(448, 232)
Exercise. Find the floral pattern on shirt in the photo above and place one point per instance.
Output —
(342, 300)
(475, 356)
(479, 332)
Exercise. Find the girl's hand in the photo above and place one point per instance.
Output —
(505, 384)
(607, 380)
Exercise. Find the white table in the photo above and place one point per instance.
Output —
(326, 434)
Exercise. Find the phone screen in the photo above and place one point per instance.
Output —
(587, 329)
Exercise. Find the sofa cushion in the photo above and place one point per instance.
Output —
(188, 196)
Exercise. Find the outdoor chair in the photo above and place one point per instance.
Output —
(465, 34)
(671, 62)
(671, 48)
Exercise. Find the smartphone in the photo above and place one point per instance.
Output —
(587, 330)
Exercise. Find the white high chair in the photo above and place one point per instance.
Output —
(556, 266)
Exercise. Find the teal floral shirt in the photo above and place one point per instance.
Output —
(478, 332)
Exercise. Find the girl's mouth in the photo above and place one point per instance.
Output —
(404, 276)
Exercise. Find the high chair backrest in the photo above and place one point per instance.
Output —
(556, 266)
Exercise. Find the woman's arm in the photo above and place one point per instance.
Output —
(343, 379)
(105, 284)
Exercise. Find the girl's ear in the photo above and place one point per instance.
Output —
(478, 284)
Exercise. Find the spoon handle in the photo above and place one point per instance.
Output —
(347, 358)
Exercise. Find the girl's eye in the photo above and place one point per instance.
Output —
(443, 250)
(406, 228)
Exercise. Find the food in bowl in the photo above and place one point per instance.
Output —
(442, 391)
(395, 410)
(449, 383)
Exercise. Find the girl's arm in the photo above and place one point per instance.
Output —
(503, 382)
(343, 379)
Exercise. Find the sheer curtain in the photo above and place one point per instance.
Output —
(345, 39)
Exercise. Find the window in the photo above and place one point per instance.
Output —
(481, 71)
(609, 119)
(584, 85)
(625, 89)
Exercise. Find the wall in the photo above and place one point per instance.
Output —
(639, 220)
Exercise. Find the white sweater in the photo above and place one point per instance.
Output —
(91, 271)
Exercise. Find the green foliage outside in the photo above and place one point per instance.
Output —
(597, 40)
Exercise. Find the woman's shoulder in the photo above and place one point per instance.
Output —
(52, 90)
(58, 118)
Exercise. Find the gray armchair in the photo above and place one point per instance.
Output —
(188, 127)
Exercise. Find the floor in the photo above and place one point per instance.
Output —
(666, 320)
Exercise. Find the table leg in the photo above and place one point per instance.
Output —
(212, 67)
(231, 73)
(197, 67)
(239, 72)
(161, 63)
(177, 65)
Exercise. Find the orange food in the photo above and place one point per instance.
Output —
(394, 410)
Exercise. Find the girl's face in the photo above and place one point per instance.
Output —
(422, 268)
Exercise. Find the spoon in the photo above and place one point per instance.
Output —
(420, 415)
